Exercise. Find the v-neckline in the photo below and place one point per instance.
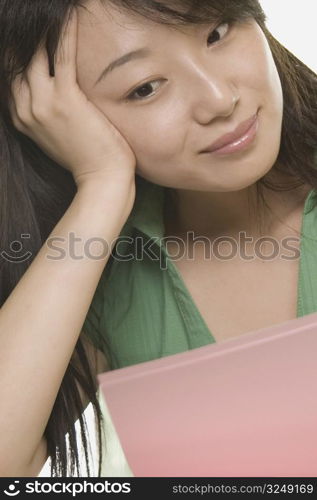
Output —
(193, 316)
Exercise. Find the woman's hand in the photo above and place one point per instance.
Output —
(57, 115)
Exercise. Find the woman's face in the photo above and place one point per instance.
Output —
(187, 88)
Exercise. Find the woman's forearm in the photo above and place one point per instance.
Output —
(42, 318)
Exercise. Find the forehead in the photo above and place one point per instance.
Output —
(106, 32)
(101, 19)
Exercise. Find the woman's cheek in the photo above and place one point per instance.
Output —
(266, 78)
(157, 137)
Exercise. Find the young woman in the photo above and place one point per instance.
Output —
(127, 126)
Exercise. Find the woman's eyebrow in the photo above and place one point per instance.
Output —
(135, 54)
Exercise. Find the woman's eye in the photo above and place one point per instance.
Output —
(144, 91)
(219, 33)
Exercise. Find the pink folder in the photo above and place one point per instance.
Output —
(240, 408)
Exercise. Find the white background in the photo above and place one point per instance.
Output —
(293, 23)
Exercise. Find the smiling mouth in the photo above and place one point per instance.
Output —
(235, 141)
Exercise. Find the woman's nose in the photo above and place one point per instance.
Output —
(212, 97)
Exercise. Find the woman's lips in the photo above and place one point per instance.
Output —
(237, 140)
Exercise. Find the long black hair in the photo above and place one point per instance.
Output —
(35, 191)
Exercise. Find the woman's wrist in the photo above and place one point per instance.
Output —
(115, 191)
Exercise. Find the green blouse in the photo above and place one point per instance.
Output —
(142, 309)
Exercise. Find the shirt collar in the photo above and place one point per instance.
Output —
(147, 214)
(311, 200)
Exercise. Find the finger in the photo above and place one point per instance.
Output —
(20, 102)
(14, 116)
(65, 57)
(37, 74)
